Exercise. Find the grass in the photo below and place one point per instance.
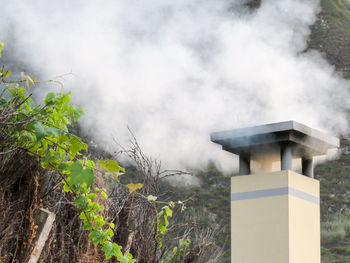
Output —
(335, 230)
(331, 33)
(335, 233)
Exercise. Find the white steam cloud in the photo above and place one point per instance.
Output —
(174, 71)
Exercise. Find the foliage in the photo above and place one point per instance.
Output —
(335, 207)
(163, 222)
(178, 252)
(186, 223)
(331, 34)
(207, 213)
(335, 229)
(45, 135)
(43, 131)
(335, 183)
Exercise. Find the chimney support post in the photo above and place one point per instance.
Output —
(244, 165)
(307, 167)
(286, 157)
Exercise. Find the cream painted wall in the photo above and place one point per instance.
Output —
(284, 228)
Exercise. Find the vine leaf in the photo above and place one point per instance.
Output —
(81, 202)
(134, 187)
(75, 144)
(77, 113)
(97, 236)
(41, 131)
(81, 175)
(151, 198)
(50, 98)
(109, 249)
(111, 166)
(92, 196)
(168, 211)
(104, 195)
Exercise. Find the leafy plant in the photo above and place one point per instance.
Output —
(178, 252)
(43, 131)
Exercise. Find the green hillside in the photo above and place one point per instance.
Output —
(331, 36)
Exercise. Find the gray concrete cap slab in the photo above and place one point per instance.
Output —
(306, 141)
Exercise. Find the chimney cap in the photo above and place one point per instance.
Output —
(306, 141)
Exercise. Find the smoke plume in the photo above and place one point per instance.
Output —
(174, 71)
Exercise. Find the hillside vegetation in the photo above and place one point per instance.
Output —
(331, 36)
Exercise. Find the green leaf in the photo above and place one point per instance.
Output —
(50, 98)
(111, 249)
(27, 137)
(166, 222)
(88, 226)
(81, 175)
(110, 232)
(81, 202)
(90, 163)
(62, 139)
(82, 216)
(129, 256)
(100, 222)
(168, 211)
(77, 113)
(126, 259)
(110, 165)
(184, 243)
(64, 167)
(104, 195)
(53, 132)
(39, 129)
(66, 187)
(75, 144)
(92, 196)
(97, 236)
(108, 249)
(65, 99)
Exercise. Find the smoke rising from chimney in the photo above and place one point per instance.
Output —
(174, 71)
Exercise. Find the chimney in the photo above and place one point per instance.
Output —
(275, 210)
